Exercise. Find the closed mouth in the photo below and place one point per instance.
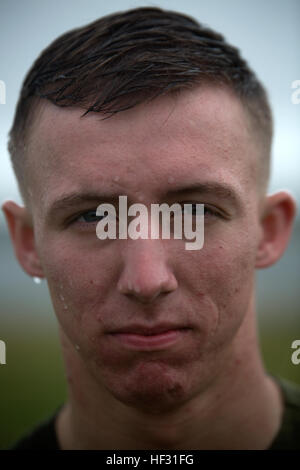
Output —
(158, 337)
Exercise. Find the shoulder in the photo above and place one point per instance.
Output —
(288, 436)
(42, 437)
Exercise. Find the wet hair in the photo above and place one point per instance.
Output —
(131, 57)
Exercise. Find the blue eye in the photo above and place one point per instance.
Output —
(89, 217)
(209, 211)
(191, 208)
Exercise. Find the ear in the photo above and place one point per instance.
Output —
(21, 231)
(276, 226)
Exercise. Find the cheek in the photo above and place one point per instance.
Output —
(231, 271)
(79, 283)
(223, 274)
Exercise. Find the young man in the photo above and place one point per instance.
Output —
(159, 342)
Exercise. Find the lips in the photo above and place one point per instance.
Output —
(150, 338)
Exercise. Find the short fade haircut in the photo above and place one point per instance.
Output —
(131, 57)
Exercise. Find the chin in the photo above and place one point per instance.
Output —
(151, 387)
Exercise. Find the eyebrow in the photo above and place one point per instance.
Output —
(72, 200)
(69, 201)
(211, 188)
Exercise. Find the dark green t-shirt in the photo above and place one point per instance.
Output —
(288, 437)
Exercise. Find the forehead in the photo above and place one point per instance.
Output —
(204, 131)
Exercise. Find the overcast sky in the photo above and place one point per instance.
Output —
(268, 34)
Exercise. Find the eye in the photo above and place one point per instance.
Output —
(89, 217)
(193, 209)
(210, 211)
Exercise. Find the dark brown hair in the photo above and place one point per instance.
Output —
(126, 58)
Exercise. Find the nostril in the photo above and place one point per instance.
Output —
(146, 293)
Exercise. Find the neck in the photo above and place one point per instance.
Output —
(239, 409)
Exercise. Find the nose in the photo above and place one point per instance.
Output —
(146, 273)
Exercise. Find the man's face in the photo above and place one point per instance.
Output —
(106, 291)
